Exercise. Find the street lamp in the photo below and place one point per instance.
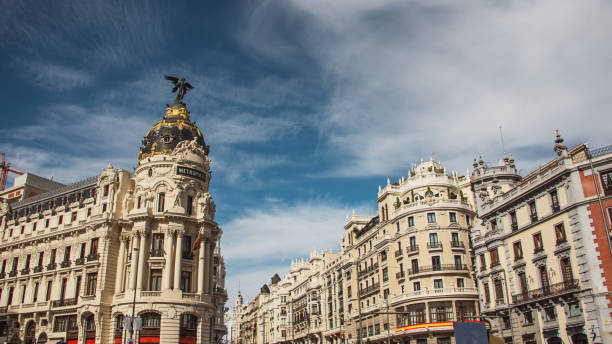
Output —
(134, 261)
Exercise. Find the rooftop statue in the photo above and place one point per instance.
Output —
(181, 86)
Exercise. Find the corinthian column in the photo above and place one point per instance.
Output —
(201, 262)
(134, 260)
(167, 277)
(141, 260)
(178, 259)
(120, 265)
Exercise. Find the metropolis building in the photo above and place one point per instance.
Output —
(76, 260)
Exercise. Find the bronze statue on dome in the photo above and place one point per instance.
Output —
(181, 86)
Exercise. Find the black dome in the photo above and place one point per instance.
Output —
(163, 137)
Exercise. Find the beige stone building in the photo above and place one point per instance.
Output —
(543, 261)
(78, 259)
(412, 258)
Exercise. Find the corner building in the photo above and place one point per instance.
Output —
(543, 259)
(77, 259)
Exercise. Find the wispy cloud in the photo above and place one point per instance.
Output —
(54, 76)
(412, 78)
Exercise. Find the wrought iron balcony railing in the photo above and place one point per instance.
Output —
(440, 267)
(547, 291)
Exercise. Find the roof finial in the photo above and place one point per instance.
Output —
(180, 88)
(559, 148)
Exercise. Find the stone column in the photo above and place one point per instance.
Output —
(201, 262)
(167, 277)
(120, 266)
(206, 266)
(141, 260)
(134, 260)
(178, 259)
(211, 254)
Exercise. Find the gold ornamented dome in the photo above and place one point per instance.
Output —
(164, 136)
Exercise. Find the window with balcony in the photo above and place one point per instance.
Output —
(528, 317)
(518, 250)
(435, 263)
(452, 217)
(487, 295)
(35, 294)
(433, 240)
(431, 217)
(157, 245)
(560, 233)
(410, 221)
(77, 290)
(533, 213)
(554, 201)
(23, 293)
(186, 249)
(92, 279)
(460, 283)
(67, 253)
(186, 281)
(606, 182)
(483, 265)
(550, 314)
(413, 245)
(458, 262)
(455, 239)
(385, 272)
(49, 288)
(416, 286)
(93, 247)
(499, 292)
(415, 266)
(566, 270)
(538, 244)
(155, 281)
(438, 284)
(493, 225)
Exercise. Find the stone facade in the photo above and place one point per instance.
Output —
(413, 258)
(542, 258)
(78, 259)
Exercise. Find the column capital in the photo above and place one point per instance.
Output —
(180, 233)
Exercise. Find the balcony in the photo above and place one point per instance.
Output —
(400, 275)
(51, 266)
(13, 273)
(38, 269)
(412, 249)
(555, 207)
(398, 253)
(150, 293)
(534, 218)
(499, 302)
(369, 269)
(79, 261)
(514, 226)
(187, 255)
(458, 245)
(369, 290)
(25, 271)
(441, 267)
(434, 245)
(546, 292)
(64, 302)
(157, 253)
(65, 263)
(92, 257)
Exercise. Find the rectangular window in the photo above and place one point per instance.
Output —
(431, 217)
(416, 286)
(528, 318)
(513, 221)
(186, 281)
(27, 262)
(82, 254)
(63, 288)
(574, 309)
(410, 221)
(10, 296)
(453, 217)
(189, 205)
(23, 293)
(92, 279)
(499, 292)
(93, 246)
(522, 282)
(435, 263)
(460, 283)
(34, 227)
(47, 223)
(161, 202)
(48, 293)
(103, 207)
(415, 266)
(537, 242)
(60, 219)
(483, 265)
(138, 200)
(155, 280)
(4, 266)
(52, 258)
(560, 233)
(606, 182)
(74, 216)
(487, 295)
(494, 257)
(468, 220)
(458, 263)
(518, 250)
(533, 213)
(35, 295)
(77, 290)
(106, 189)
(67, 253)
(88, 212)
(438, 284)
(554, 201)
(433, 240)
(385, 275)
(413, 244)
(157, 249)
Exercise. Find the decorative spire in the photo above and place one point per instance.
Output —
(560, 148)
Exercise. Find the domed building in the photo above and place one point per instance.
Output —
(142, 245)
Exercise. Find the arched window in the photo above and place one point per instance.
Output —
(188, 321)
(118, 327)
(151, 320)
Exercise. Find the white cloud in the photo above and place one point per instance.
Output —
(55, 77)
(284, 231)
(416, 77)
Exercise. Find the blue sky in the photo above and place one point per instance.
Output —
(307, 105)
